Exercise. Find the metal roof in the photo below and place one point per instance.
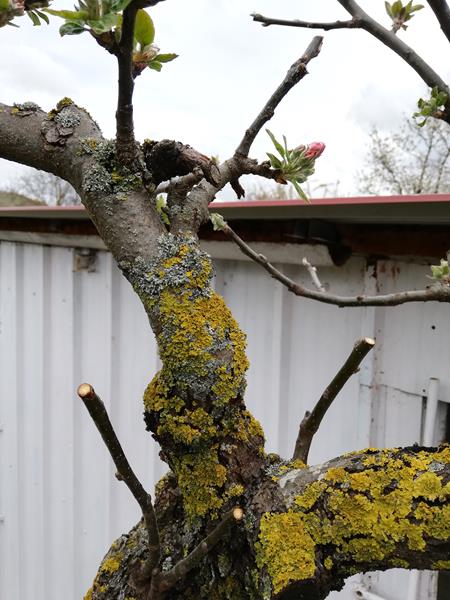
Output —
(417, 209)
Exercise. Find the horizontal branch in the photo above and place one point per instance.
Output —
(435, 293)
(294, 75)
(99, 415)
(312, 420)
(267, 21)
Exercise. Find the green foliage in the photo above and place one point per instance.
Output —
(432, 107)
(400, 13)
(218, 222)
(294, 165)
(441, 273)
(161, 209)
(144, 29)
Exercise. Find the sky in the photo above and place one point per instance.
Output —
(228, 66)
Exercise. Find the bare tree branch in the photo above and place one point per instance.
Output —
(294, 75)
(126, 144)
(435, 293)
(312, 420)
(99, 415)
(313, 274)
(167, 580)
(267, 21)
(442, 11)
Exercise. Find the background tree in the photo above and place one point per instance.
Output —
(228, 520)
(44, 187)
(412, 160)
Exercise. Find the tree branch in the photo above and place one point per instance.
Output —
(442, 11)
(389, 39)
(294, 75)
(99, 415)
(436, 293)
(312, 420)
(126, 145)
(267, 21)
(170, 579)
(313, 274)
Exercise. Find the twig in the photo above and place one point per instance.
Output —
(313, 274)
(267, 21)
(442, 11)
(311, 421)
(169, 579)
(436, 293)
(294, 75)
(389, 39)
(126, 145)
(99, 415)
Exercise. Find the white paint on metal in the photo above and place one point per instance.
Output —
(61, 503)
(362, 593)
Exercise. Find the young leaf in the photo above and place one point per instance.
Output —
(387, 6)
(118, 5)
(299, 191)
(218, 222)
(144, 30)
(274, 161)
(33, 16)
(71, 28)
(43, 16)
(165, 58)
(71, 15)
(155, 65)
(106, 23)
(276, 143)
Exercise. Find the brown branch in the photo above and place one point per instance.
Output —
(99, 415)
(294, 75)
(442, 11)
(312, 420)
(168, 580)
(435, 293)
(126, 144)
(389, 39)
(267, 21)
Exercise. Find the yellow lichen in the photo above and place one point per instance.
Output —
(285, 549)
(328, 563)
(441, 565)
(367, 514)
(111, 564)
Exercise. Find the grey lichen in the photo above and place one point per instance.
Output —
(67, 119)
(28, 107)
(97, 180)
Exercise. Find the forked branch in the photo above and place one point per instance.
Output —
(125, 473)
(267, 21)
(437, 293)
(312, 420)
(294, 75)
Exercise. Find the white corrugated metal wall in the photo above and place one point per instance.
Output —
(60, 504)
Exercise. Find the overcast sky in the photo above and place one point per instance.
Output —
(227, 68)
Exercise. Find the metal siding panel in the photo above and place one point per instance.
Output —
(92, 463)
(31, 400)
(59, 425)
(9, 528)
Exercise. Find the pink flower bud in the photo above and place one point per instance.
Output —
(314, 150)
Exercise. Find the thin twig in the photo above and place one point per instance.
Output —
(313, 274)
(311, 421)
(436, 293)
(442, 11)
(267, 21)
(294, 75)
(126, 145)
(170, 578)
(99, 415)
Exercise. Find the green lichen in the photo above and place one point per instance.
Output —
(441, 565)
(193, 404)
(398, 499)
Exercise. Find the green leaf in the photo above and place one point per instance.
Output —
(417, 7)
(299, 191)
(155, 65)
(144, 30)
(71, 15)
(104, 24)
(165, 58)
(218, 222)
(33, 16)
(43, 16)
(396, 8)
(118, 5)
(71, 28)
(4, 4)
(387, 6)
(276, 143)
(274, 161)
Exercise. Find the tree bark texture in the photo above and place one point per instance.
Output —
(304, 528)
